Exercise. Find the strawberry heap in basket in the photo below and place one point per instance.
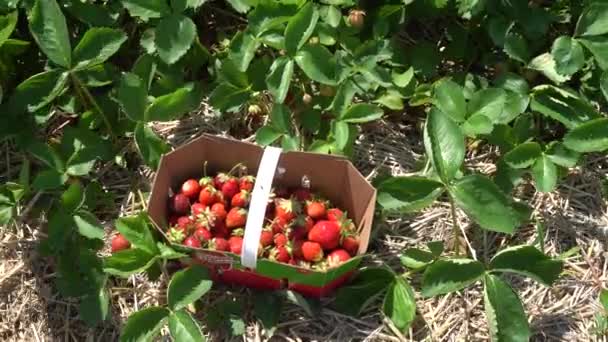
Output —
(300, 228)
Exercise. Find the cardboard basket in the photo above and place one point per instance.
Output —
(333, 177)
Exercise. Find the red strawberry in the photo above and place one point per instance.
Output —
(302, 194)
(220, 179)
(337, 257)
(230, 187)
(219, 244)
(315, 209)
(180, 204)
(266, 238)
(119, 242)
(296, 248)
(351, 245)
(191, 188)
(327, 233)
(192, 241)
(173, 220)
(293, 262)
(236, 244)
(279, 225)
(241, 199)
(237, 217)
(280, 240)
(198, 209)
(281, 192)
(280, 254)
(184, 222)
(208, 196)
(219, 211)
(220, 230)
(246, 183)
(203, 234)
(312, 251)
(334, 214)
(286, 208)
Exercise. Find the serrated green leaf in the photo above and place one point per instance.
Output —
(173, 105)
(266, 135)
(483, 201)
(361, 113)
(150, 146)
(593, 21)
(174, 36)
(312, 307)
(145, 69)
(7, 25)
(415, 258)
(93, 308)
(391, 99)
(280, 118)
(279, 78)
(187, 286)
(343, 98)
(477, 124)
(128, 262)
(546, 65)
(317, 63)
(230, 72)
(489, 102)
(516, 47)
(523, 155)
(444, 144)
(449, 98)
(562, 156)
(408, 194)
(49, 179)
(604, 84)
(588, 137)
(367, 285)
(404, 79)
(568, 55)
(267, 307)
(399, 304)
(38, 91)
(132, 96)
(50, 32)
(340, 132)
(183, 327)
(229, 98)
(96, 46)
(598, 46)
(146, 9)
(504, 311)
(544, 173)
(242, 49)
(136, 230)
(88, 225)
(300, 27)
(527, 261)
(73, 197)
(450, 275)
(92, 14)
(144, 325)
(562, 105)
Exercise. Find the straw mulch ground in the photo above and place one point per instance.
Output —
(574, 216)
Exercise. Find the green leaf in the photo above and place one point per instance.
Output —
(169, 253)
(312, 307)
(300, 27)
(230, 72)
(450, 275)
(38, 91)
(593, 21)
(7, 25)
(544, 173)
(136, 230)
(145, 69)
(128, 262)
(416, 258)
(280, 118)
(449, 98)
(361, 113)
(144, 325)
(598, 46)
(229, 98)
(546, 65)
(523, 156)
(92, 14)
(132, 96)
(408, 194)
(561, 155)
(150, 146)
(562, 105)
(146, 9)
(172, 106)
(88, 225)
(73, 197)
(96, 46)
(241, 6)
(516, 46)
(604, 299)
(477, 124)
(183, 327)
(47, 154)
(49, 179)
(391, 99)
(444, 144)
(267, 308)
(527, 261)
(400, 304)
(242, 49)
(182, 5)
(174, 36)
(483, 201)
(279, 78)
(404, 79)
(489, 102)
(504, 311)
(317, 63)
(266, 135)
(367, 285)
(340, 132)
(568, 55)
(94, 307)
(50, 32)
(588, 137)
(344, 97)
(187, 286)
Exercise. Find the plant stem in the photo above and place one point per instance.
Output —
(455, 226)
(83, 91)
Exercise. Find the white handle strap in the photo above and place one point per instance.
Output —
(257, 208)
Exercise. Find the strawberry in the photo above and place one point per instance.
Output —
(230, 187)
(315, 209)
(327, 233)
(337, 257)
(293, 262)
(198, 208)
(246, 183)
(241, 199)
(279, 225)
(180, 204)
(119, 242)
(205, 181)
(286, 208)
(203, 234)
(280, 240)
(281, 192)
(237, 217)
(266, 238)
(280, 254)
(312, 251)
(219, 244)
(302, 194)
(173, 220)
(334, 214)
(296, 248)
(220, 229)
(235, 244)
(220, 179)
(192, 241)
(184, 222)
(351, 245)
(218, 210)
(208, 196)
(191, 188)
